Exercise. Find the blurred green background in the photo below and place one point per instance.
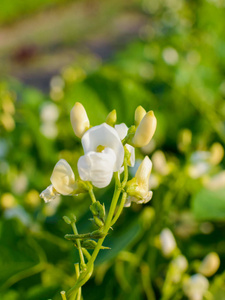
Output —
(168, 56)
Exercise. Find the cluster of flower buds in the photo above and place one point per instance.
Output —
(105, 148)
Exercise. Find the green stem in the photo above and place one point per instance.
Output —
(91, 193)
(77, 271)
(24, 274)
(63, 294)
(118, 213)
(87, 274)
(125, 178)
(78, 245)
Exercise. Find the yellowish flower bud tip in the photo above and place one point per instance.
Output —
(79, 119)
(217, 153)
(145, 130)
(111, 118)
(139, 114)
(210, 264)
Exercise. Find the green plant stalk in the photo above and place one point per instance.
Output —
(91, 193)
(119, 211)
(63, 294)
(84, 277)
(77, 271)
(78, 245)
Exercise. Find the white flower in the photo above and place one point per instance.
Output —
(122, 130)
(63, 181)
(138, 187)
(104, 154)
(195, 287)
(168, 243)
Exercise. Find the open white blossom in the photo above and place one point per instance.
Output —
(103, 155)
(168, 243)
(63, 181)
(138, 187)
(195, 287)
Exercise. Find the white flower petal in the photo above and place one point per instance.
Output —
(49, 194)
(63, 178)
(121, 129)
(106, 136)
(144, 171)
(97, 167)
(128, 201)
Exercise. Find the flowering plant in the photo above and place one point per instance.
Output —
(109, 149)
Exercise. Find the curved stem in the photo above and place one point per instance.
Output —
(78, 245)
(118, 213)
(77, 271)
(92, 195)
(125, 178)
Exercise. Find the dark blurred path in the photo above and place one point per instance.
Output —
(36, 48)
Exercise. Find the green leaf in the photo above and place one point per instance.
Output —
(209, 205)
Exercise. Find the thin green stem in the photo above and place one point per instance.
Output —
(92, 195)
(24, 274)
(87, 274)
(86, 253)
(120, 208)
(78, 245)
(77, 271)
(125, 178)
(63, 294)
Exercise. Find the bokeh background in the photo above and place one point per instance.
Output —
(166, 55)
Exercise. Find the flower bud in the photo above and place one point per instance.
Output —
(210, 264)
(67, 220)
(138, 187)
(217, 153)
(98, 222)
(79, 119)
(139, 114)
(111, 118)
(91, 244)
(145, 130)
(195, 287)
(143, 172)
(98, 210)
(168, 243)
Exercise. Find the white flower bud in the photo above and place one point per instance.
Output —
(79, 120)
(139, 114)
(210, 264)
(168, 242)
(180, 263)
(145, 130)
(195, 287)
(138, 187)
